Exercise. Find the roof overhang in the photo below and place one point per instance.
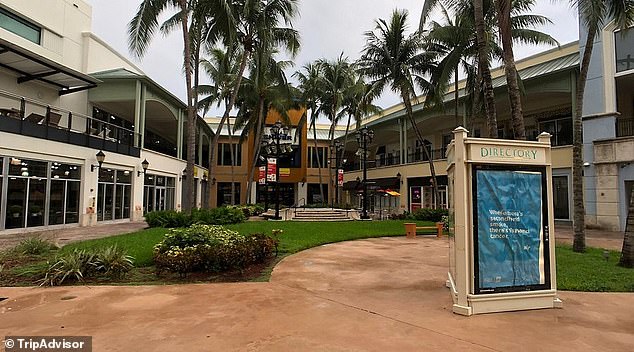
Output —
(31, 66)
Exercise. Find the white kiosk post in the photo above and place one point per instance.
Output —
(502, 245)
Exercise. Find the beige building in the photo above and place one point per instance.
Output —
(65, 96)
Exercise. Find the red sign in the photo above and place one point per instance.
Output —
(271, 170)
(340, 177)
(262, 175)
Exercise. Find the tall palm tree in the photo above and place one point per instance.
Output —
(259, 24)
(391, 58)
(140, 32)
(309, 79)
(266, 89)
(336, 78)
(594, 14)
(484, 69)
(456, 42)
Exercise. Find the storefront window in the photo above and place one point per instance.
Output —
(113, 194)
(224, 193)
(158, 193)
(37, 197)
(624, 47)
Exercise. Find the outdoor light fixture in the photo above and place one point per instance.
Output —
(273, 148)
(586, 164)
(213, 181)
(399, 177)
(364, 137)
(145, 164)
(100, 158)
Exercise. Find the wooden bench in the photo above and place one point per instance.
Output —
(411, 229)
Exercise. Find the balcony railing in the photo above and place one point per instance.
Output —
(625, 127)
(416, 157)
(29, 117)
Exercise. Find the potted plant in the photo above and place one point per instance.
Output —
(15, 210)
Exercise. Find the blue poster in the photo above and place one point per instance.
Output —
(509, 212)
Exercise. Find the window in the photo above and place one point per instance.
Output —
(560, 197)
(224, 193)
(19, 26)
(39, 193)
(158, 193)
(224, 154)
(113, 194)
(560, 129)
(317, 157)
(624, 48)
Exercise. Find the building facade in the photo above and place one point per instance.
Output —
(65, 97)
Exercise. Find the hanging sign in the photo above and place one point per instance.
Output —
(340, 177)
(271, 171)
(262, 175)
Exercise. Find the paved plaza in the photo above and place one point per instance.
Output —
(385, 294)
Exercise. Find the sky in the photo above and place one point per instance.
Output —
(327, 28)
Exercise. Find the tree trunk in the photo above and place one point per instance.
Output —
(225, 116)
(419, 136)
(256, 145)
(483, 64)
(579, 221)
(504, 23)
(316, 154)
(191, 113)
(456, 96)
(627, 253)
(233, 157)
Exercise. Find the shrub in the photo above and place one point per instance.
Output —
(109, 262)
(210, 248)
(249, 209)
(35, 246)
(113, 262)
(429, 214)
(216, 216)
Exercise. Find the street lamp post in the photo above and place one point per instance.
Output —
(365, 136)
(278, 133)
(336, 148)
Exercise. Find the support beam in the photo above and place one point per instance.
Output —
(27, 78)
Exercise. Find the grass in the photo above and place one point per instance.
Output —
(577, 272)
(590, 271)
(297, 236)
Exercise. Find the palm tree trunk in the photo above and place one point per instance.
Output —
(504, 23)
(579, 221)
(627, 252)
(225, 116)
(419, 136)
(483, 64)
(233, 162)
(256, 145)
(316, 153)
(191, 113)
(456, 96)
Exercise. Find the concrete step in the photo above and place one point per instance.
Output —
(320, 220)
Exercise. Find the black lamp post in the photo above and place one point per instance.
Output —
(277, 133)
(336, 148)
(365, 136)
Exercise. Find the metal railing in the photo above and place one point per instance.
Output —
(625, 127)
(416, 157)
(37, 119)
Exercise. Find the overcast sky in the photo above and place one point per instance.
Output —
(327, 28)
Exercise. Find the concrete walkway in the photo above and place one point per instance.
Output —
(594, 238)
(64, 236)
(382, 294)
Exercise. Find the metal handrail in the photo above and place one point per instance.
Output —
(297, 205)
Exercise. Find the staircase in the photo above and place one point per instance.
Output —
(323, 215)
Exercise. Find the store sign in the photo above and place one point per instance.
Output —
(262, 175)
(285, 172)
(509, 206)
(271, 170)
(340, 177)
(495, 153)
(288, 139)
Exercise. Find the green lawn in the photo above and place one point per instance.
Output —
(590, 271)
(297, 236)
(579, 272)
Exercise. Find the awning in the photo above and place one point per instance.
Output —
(31, 66)
(374, 184)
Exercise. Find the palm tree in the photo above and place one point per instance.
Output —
(257, 24)
(309, 86)
(266, 89)
(392, 58)
(140, 31)
(456, 42)
(593, 13)
(336, 78)
(484, 69)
